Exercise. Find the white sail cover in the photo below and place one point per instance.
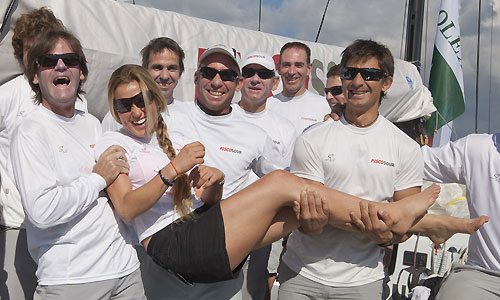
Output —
(113, 33)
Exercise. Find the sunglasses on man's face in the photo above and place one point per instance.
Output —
(262, 73)
(50, 60)
(225, 75)
(368, 74)
(334, 90)
(124, 105)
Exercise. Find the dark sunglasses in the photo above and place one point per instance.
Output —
(262, 73)
(225, 75)
(368, 74)
(50, 60)
(334, 90)
(124, 105)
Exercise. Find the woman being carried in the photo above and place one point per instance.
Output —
(208, 244)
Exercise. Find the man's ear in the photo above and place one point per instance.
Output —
(239, 84)
(195, 77)
(276, 82)
(309, 68)
(387, 83)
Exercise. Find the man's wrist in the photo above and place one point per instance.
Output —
(388, 243)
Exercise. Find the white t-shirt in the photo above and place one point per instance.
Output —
(232, 145)
(474, 161)
(302, 111)
(73, 233)
(279, 129)
(16, 103)
(371, 163)
(145, 158)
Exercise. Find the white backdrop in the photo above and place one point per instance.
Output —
(113, 33)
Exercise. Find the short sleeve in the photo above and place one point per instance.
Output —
(306, 161)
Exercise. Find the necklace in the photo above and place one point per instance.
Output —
(360, 125)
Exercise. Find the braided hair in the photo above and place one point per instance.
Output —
(129, 73)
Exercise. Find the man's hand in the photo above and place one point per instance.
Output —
(312, 212)
(111, 163)
(205, 176)
(376, 224)
(337, 111)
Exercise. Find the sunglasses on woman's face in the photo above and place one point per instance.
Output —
(225, 75)
(124, 105)
(334, 90)
(368, 74)
(50, 60)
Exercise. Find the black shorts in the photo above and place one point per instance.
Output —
(194, 249)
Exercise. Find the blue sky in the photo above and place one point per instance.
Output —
(381, 20)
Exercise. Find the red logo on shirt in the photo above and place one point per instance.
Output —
(92, 146)
(226, 149)
(382, 162)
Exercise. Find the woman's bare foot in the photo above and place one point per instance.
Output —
(408, 211)
(441, 228)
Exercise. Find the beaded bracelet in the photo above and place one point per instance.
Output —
(165, 180)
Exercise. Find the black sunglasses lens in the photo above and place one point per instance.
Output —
(228, 75)
(123, 105)
(371, 74)
(208, 73)
(349, 73)
(334, 90)
(71, 59)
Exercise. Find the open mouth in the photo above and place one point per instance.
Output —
(140, 122)
(164, 83)
(61, 81)
(215, 93)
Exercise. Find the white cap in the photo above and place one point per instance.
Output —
(220, 48)
(259, 58)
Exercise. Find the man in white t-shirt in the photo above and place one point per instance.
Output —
(18, 280)
(295, 102)
(164, 59)
(257, 81)
(233, 145)
(474, 161)
(370, 162)
(73, 234)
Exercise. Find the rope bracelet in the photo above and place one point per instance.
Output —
(165, 180)
(175, 169)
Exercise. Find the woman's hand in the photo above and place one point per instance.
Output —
(204, 177)
(190, 155)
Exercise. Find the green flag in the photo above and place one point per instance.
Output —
(446, 79)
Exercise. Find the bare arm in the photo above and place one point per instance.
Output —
(131, 203)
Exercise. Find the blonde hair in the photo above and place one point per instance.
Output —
(129, 73)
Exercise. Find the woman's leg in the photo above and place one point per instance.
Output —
(249, 213)
(441, 228)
